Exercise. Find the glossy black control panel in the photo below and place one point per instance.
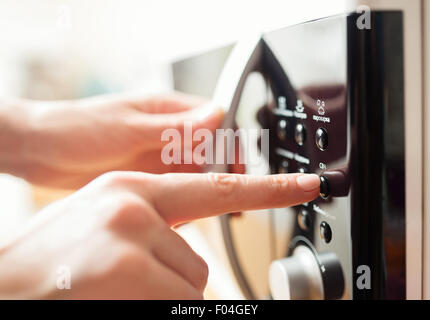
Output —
(337, 110)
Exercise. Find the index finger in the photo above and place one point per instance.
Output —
(184, 197)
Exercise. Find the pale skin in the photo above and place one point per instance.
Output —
(116, 232)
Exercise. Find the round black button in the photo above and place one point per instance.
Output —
(321, 139)
(300, 134)
(325, 232)
(283, 166)
(304, 219)
(324, 187)
(282, 129)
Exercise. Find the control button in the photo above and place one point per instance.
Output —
(324, 187)
(283, 166)
(282, 103)
(300, 134)
(321, 139)
(338, 182)
(297, 277)
(304, 219)
(302, 170)
(306, 276)
(282, 129)
(325, 232)
(333, 280)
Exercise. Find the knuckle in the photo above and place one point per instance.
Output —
(202, 273)
(128, 259)
(223, 183)
(129, 254)
(110, 179)
(131, 212)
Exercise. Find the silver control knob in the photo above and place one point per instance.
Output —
(303, 276)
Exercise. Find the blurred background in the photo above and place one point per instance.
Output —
(58, 49)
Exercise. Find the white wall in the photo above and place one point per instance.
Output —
(124, 44)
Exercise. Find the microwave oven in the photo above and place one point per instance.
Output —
(346, 97)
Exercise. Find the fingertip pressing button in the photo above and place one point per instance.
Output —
(307, 182)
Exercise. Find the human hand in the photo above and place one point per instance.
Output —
(115, 237)
(67, 144)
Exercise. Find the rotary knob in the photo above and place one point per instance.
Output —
(305, 276)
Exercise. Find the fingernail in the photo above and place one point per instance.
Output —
(308, 182)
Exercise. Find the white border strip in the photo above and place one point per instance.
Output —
(426, 230)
